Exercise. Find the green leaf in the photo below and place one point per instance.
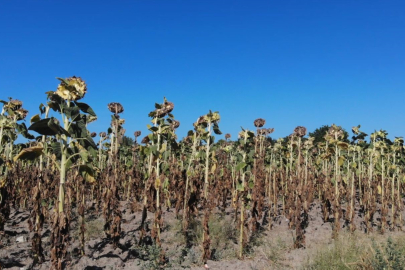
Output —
(239, 187)
(89, 142)
(240, 166)
(153, 149)
(22, 129)
(72, 112)
(92, 151)
(48, 126)
(56, 149)
(85, 108)
(84, 155)
(87, 173)
(216, 129)
(42, 108)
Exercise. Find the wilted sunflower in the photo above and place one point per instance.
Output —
(166, 108)
(300, 131)
(13, 104)
(93, 134)
(115, 107)
(201, 119)
(21, 113)
(259, 122)
(227, 136)
(102, 134)
(175, 124)
(145, 140)
(262, 131)
(71, 88)
(335, 130)
(215, 117)
(137, 133)
(120, 122)
(270, 130)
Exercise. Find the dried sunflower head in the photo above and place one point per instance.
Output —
(73, 88)
(115, 107)
(201, 119)
(259, 122)
(215, 117)
(300, 131)
(270, 130)
(356, 130)
(137, 133)
(335, 130)
(21, 113)
(164, 109)
(145, 140)
(168, 106)
(13, 104)
(93, 134)
(227, 136)
(102, 134)
(175, 124)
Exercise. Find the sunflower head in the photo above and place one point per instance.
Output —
(300, 131)
(175, 124)
(259, 122)
(164, 109)
(21, 113)
(145, 140)
(115, 107)
(13, 104)
(137, 133)
(73, 88)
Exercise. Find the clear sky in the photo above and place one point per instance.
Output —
(308, 63)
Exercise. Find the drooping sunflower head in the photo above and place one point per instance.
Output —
(259, 122)
(73, 88)
(300, 131)
(115, 107)
(175, 124)
(270, 130)
(227, 136)
(137, 133)
(13, 104)
(168, 106)
(145, 140)
(21, 113)
(163, 109)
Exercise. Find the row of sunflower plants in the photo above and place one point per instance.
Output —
(63, 173)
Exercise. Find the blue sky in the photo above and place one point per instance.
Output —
(308, 63)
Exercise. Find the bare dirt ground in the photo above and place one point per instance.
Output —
(271, 249)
